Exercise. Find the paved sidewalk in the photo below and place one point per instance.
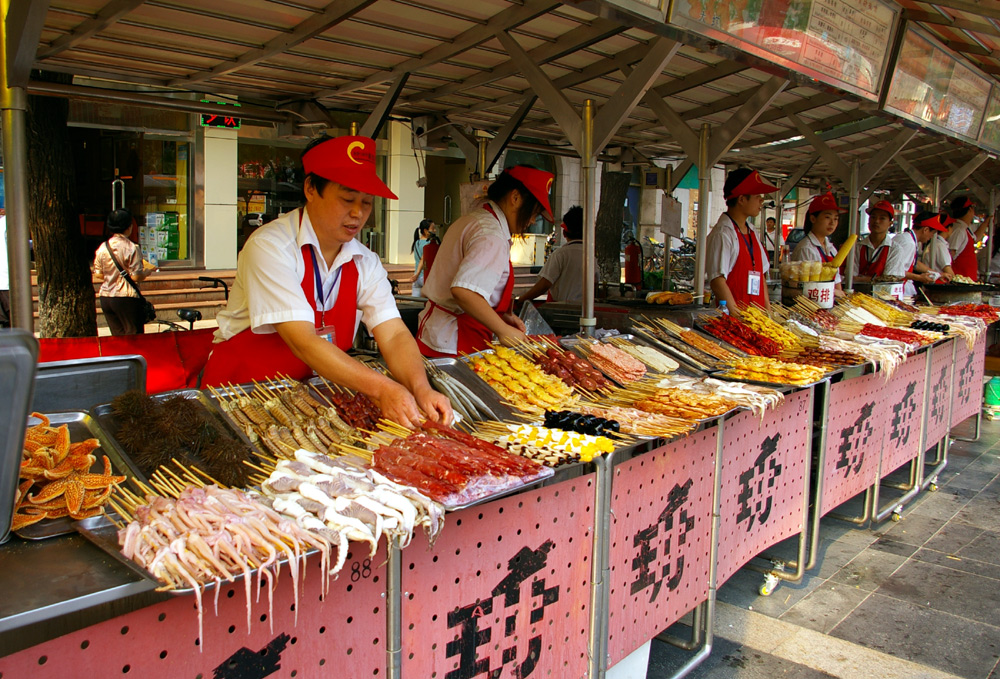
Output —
(910, 600)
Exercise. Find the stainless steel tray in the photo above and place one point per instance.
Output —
(464, 374)
(689, 356)
(18, 357)
(82, 427)
(642, 341)
(81, 383)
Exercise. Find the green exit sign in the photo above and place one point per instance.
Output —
(218, 120)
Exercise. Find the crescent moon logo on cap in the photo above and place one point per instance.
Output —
(350, 150)
(548, 185)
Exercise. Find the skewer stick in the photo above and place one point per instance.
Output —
(205, 474)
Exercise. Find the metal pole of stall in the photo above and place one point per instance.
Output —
(13, 108)
(589, 172)
(937, 194)
(852, 228)
(931, 479)
(993, 227)
(704, 201)
(393, 611)
(596, 644)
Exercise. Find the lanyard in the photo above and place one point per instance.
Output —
(321, 297)
(748, 241)
(823, 255)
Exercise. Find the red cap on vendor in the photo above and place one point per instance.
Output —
(746, 182)
(884, 206)
(348, 161)
(932, 221)
(538, 182)
(824, 202)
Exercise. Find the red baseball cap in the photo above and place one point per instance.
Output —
(824, 202)
(348, 161)
(538, 182)
(883, 205)
(946, 219)
(746, 182)
(932, 222)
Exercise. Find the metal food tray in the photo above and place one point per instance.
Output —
(703, 331)
(642, 341)
(689, 356)
(106, 419)
(467, 376)
(545, 474)
(104, 535)
(18, 358)
(82, 427)
(783, 387)
(80, 383)
(959, 287)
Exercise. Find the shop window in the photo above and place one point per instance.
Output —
(164, 227)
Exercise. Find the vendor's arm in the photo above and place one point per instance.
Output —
(406, 364)
(920, 273)
(983, 228)
(476, 306)
(540, 287)
(720, 288)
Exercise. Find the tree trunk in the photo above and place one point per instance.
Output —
(66, 306)
(608, 238)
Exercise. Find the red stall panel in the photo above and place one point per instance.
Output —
(968, 380)
(937, 421)
(505, 591)
(856, 426)
(763, 467)
(904, 403)
(341, 636)
(661, 535)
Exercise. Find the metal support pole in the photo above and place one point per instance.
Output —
(852, 228)
(596, 641)
(704, 202)
(589, 172)
(936, 198)
(393, 611)
(990, 243)
(483, 141)
(13, 107)
(941, 461)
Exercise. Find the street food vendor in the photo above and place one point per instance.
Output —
(562, 275)
(822, 219)
(936, 254)
(962, 241)
(303, 284)
(472, 284)
(873, 250)
(903, 260)
(735, 261)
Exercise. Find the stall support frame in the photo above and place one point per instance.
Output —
(393, 611)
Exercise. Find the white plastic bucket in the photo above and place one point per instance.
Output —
(633, 666)
(819, 292)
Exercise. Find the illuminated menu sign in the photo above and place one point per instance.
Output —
(843, 43)
(931, 87)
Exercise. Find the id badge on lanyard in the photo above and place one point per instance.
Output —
(324, 330)
(753, 282)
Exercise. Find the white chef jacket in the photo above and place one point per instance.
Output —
(957, 239)
(809, 248)
(902, 254)
(269, 273)
(936, 255)
(564, 270)
(723, 247)
(873, 252)
(769, 239)
(475, 255)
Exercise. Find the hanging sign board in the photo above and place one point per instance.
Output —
(990, 136)
(649, 9)
(844, 43)
(933, 88)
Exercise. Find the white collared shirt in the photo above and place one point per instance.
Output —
(865, 243)
(564, 270)
(723, 249)
(808, 250)
(475, 255)
(902, 252)
(936, 255)
(959, 236)
(269, 272)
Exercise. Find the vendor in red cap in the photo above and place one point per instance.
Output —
(303, 284)
(471, 286)
(872, 251)
(903, 260)
(822, 219)
(936, 254)
(962, 241)
(735, 262)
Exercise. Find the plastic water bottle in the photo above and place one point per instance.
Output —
(723, 307)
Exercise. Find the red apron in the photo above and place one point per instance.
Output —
(430, 252)
(248, 356)
(747, 261)
(965, 263)
(874, 266)
(472, 335)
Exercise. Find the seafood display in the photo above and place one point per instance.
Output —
(754, 397)
(773, 371)
(464, 401)
(823, 358)
(982, 311)
(909, 337)
(613, 362)
(888, 356)
(582, 423)
(685, 404)
(640, 422)
(195, 535)
(654, 360)
(741, 336)
(520, 382)
(451, 466)
(568, 367)
(551, 447)
(56, 478)
(663, 329)
(283, 417)
(155, 430)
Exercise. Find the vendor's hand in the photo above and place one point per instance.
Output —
(397, 404)
(925, 277)
(511, 336)
(945, 278)
(512, 320)
(434, 404)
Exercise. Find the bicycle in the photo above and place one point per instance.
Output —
(191, 316)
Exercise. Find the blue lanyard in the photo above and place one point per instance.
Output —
(319, 294)
(824, 257)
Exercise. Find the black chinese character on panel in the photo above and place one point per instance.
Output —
(677, 523)
(939, 397)
(853, 440)
(757, 484)
(475, 626)
(965, 381)
(902, 416)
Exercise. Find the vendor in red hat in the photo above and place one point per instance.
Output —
(936, 254)
(304, 283)
(822, 219)
(872, 250)
(903, 260)
(963, 239)
(472, 284)
(735, 262)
